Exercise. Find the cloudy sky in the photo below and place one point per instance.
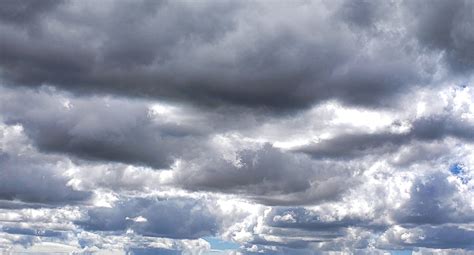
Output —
(237, 127)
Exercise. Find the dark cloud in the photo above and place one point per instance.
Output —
(100, 128)
(439, 126)
(30, 177)
(434, 200)
(353, 145)
(269, 176)
(173, 218)
(34, 180)
(440, 237)
(166, 50)
(447, 26)
(151, 251)
(360, 12)
(350, 145)
(301, 218)
(26, 12)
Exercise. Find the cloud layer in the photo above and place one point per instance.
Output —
(236, 127)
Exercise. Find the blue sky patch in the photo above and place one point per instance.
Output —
(456, 169)
(219, 244)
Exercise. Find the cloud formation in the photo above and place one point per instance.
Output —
(282, 56)
(236, 127)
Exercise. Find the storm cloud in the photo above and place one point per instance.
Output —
(276, 55)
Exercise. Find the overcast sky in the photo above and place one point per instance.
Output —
(237, 127)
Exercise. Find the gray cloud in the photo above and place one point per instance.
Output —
(446, 25)
(174, 218)
(432, 128)
(444, 237)
(151, 251)
(434, 200)
(30, 177)
(33, 180)
(233, 56)
(300, 218)
(268, 175)
(25, 12)
(150, 127)
(100, 129)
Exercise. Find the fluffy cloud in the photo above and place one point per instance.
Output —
(180, 219)
(32, 177)
(145, 127)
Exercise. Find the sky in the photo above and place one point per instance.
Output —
(237, 127)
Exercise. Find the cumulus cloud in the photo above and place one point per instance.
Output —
(180, 219)
(100, 128)
(32, 177)
(268, 175)
(240, 127)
